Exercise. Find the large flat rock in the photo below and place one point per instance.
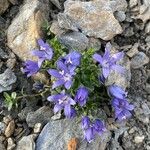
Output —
(56, 135)
(25, 28)
(93, 18)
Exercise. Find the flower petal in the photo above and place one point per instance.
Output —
(130, 107)
(57, 108)
(106, 72)
(107, 51)
(98, 58)
(118, 68)
(89, 134)
(58, 83)
(117, 91)
(85, 122)
(62, 66)
(40, 61)
(38, 53)
(116, 57)
(68, 84)
(67, 111)
(55, 98)
(40, 42)
(54, 73)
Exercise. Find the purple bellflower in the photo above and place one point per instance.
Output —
(73, 58)
(30, 68)
(122, 109)
(85, 122)
(64, 76)
(91, 129)
(89, 133)
(117, 92)
(81, 96)
(63, 101)
(99, 126)
(108, 62)
(102, 79)
(45, 52)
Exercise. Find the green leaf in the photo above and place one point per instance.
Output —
(14, 95)
(6, 95)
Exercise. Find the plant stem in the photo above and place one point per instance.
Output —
(33, 95)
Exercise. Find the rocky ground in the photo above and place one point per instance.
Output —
(79, 25)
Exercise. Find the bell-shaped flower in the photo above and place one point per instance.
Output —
(117, 91)
(82, 96)
(63, 76)
(64, 102)
(45, 52)
(30, 68)
(108, 61)
(122, 109)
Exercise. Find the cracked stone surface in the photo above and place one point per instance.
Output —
(6, 80)
(94, 18)
(25, 28)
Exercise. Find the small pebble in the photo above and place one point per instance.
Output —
(139, 60)
(139, 139)
(11, 145)
(7, 119)
(133, 50)
(132, 130)
(37, 127)
(10, 129)
(2, 127)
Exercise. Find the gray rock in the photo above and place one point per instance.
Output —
(6, 80)
(74, 40)
(114, 145)
(2, 127)
(10, 144)
(133, 50)
(11, 61)
(133, 3)
(148, 88)
(94, 43)
(56, 135)
(2, 23)
(146, 109)
(118, 5)
(144, 11)
(4, 4)
(147, 28)
(119, 132)
(129, 32)
(144, 119)
(10, 128)
(120, 16)
(42, 115)
(3, 55)
(2, 147)
(26, 143)
(85, 16)
(147, 40)
(56, 29)
(14, 2)
(139, 139)
(23, 114)
(57, 116)
(56, 3)
(139, 60)
(37, 127)
(26, 27)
